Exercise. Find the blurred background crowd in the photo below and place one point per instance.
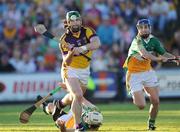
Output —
(24, 51)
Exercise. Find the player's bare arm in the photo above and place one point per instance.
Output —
(152, 57)
(93, 45)
(68, 58)
(145, 54)
(41, 29)
(170, 56)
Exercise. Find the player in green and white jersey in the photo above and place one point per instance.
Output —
(140, 75)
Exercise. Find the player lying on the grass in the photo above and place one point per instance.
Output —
(91, 117)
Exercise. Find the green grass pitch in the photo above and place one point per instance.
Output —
(118, 117)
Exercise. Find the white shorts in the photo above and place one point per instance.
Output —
(68, 119)
(137, 81)
(81, 74)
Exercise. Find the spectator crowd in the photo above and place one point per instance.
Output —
(22, 50)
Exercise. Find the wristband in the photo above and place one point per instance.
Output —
(84, 48)
(48, 34)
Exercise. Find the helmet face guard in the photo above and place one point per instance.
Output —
(144, 28)
(71, 17)
(93, 118)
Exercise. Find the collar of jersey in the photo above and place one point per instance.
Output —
(77, 35)
(148, 39)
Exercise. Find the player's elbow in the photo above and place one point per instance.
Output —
(98, 44)
(67, 62)
(145, 55)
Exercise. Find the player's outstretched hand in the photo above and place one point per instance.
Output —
(164, 59)
(77, 51)
(62, 85)
(177, 62)
(40, 28)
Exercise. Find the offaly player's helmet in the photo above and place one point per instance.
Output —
(92, 120)
(144, 28)
(74, 16)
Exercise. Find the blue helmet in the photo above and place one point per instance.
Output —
(143, 22)
(144, 34)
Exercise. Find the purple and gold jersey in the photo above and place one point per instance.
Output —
(78, 40)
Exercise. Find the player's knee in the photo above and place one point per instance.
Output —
(155, 102)
(141, 107)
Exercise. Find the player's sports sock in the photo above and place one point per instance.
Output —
(151, 124)
(57, 113)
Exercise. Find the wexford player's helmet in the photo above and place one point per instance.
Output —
(74, 20)
(73, 15)
(144, 27)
